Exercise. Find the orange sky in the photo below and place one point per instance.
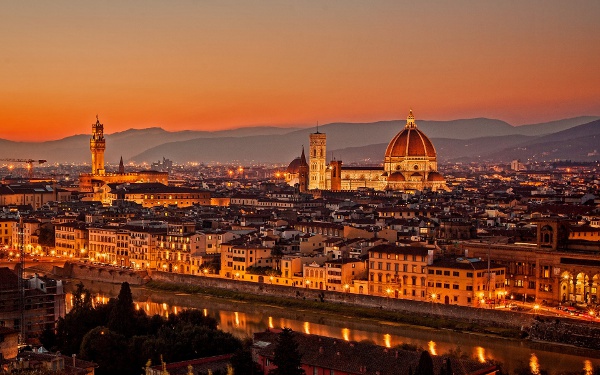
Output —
(207, 65)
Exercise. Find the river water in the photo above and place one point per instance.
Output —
(243, 319)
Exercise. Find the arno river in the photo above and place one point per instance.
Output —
(243, 319)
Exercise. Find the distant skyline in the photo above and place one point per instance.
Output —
(212, 65)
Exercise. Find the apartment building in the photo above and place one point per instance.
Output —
(466, 282)
(399, 271)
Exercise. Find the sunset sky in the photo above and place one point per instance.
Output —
(208, 65)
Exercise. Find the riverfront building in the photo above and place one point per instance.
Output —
(561, 267)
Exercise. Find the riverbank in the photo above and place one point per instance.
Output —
(243, 318)
(508, 324)
(336, 308)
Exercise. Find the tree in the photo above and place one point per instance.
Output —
(447, 368)
(277, 254)
(425, 366)
(242, 362)
(287, 357)
(122, 317)
(108, 349)
(82, 298)
(46, 235)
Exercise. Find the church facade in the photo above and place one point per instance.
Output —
(409, 164)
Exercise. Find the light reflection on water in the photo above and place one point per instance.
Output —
(534, 365)
(513, 354)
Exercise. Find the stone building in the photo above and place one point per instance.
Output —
(410, 164)
(558, 268)
(90, 182)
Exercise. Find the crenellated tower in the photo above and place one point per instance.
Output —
(97, 147)
(317, 160)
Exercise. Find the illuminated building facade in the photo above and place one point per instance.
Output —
(410, 164)
(90, 182)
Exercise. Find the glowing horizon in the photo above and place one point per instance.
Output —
(220, 65)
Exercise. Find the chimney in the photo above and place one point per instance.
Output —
(74, 355)
(321, 350)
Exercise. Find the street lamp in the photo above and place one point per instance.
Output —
(346, 288)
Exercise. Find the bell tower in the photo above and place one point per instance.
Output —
(317, 158)
(97, 147)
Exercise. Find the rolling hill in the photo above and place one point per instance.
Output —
(467, 139)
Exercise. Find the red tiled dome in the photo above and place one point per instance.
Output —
(294, 166)
(435, 176)
(410, 142)
(396, 177)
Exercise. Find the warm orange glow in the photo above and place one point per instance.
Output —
(432, 349)
(480, 354)
(214, 65)
(387, 339)
(534, 364)
(346, 334)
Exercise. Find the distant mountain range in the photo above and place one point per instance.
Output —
(457, 140)
(578, 143)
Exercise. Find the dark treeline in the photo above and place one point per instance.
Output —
(121, 339)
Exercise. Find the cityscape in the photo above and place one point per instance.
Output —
(237, 215)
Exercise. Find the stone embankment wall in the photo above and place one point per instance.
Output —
(98, 273)
(583, 334)
(473, 315)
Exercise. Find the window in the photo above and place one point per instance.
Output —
(438, 272)
(446, 286)
(469, 274)
(446, 273)
(470, 288)
(455, 286)
(455, 274)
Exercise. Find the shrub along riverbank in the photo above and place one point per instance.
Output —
(352, 311)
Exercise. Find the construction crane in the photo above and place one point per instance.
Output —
(29, 163)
